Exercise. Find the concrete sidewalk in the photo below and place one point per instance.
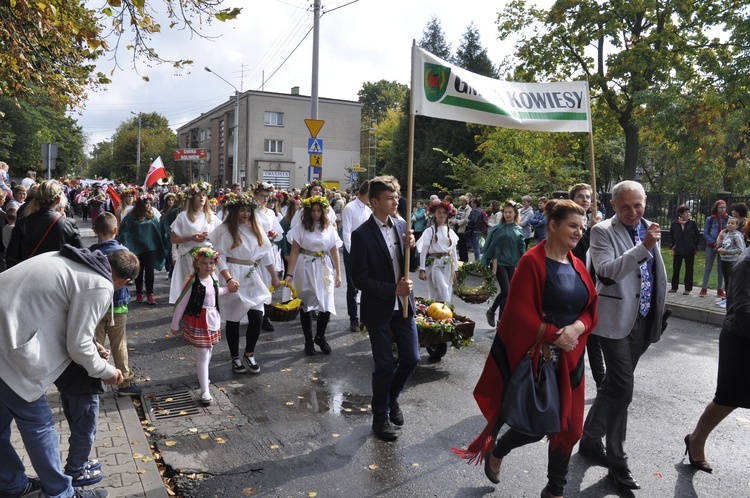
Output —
(120, 445)
(696, 309)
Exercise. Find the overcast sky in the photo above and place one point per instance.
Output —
(366, 40)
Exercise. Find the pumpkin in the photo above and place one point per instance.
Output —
(439, 311)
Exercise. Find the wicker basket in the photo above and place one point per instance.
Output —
(465, 327)
(276, 314)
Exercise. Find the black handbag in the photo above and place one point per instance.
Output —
(531, 403)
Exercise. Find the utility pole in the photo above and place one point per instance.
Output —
(236, 144)
(138, 155)
(315, 60)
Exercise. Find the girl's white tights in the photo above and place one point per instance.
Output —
(203, 357)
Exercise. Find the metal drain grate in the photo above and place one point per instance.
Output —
(173, 404)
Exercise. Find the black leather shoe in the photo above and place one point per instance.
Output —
(594, 451)
(309, 349)
(267, 325)
(396, 415)
(384, 430)
(623, 478)
(353, 325)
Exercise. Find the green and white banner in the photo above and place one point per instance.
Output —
(442, 90)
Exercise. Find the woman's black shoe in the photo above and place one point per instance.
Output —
(323, 345)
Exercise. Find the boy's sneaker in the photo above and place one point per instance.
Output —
(723, 304)
(91, 493)
(88, 477)
(703, 292)
(721, 293)
(131, 390)
(93, 464)
(238, 367)
(206, 399)
(252, 365)
(151, 299)
(139, 298)
(33, 488)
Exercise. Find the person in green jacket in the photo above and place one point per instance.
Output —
(503, 248)
(419, 219)
(142, 234)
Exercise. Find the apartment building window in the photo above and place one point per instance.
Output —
(273, 118)
(273, 146)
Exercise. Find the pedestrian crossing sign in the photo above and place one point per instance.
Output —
(314, 146)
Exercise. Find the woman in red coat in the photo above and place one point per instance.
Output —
(549, 286)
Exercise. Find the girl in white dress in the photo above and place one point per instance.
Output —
(246, 256)
(196, 314)
(438, 259)
(314, 189)
(190, 230)
(314, 261)
(271, 227)
(128, 202)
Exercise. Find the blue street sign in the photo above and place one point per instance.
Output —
(314, 145)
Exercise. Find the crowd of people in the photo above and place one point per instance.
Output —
(567, 278)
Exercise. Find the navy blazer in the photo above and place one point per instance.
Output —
(372, 271)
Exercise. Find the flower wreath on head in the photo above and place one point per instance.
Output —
(258, 186)
(449, 209)
(213, 201)
(127, 191)
(318, 199)
(315, 183)
(282, 197)
(180, 196)
(231, 200)
(199, 188)
(144, 198)
(205, 252)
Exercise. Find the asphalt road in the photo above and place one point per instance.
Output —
(302, 425)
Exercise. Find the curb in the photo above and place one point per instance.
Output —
(699, 315)
(150, 479)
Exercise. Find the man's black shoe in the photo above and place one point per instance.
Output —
(384, 430)
(593, 450)
(353, 325)
(623, 478)
(267, 325)
(396, 415)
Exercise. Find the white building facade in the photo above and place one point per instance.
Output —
(273, 140)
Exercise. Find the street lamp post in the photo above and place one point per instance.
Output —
(138, 156)
(236, 144)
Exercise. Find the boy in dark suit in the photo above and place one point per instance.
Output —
(377, 264)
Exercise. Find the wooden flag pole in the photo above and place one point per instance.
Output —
(591, 150)
(409, 179)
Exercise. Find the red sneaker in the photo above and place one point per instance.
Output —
(721, 293)
(139, 298)
(151, 299)
(703, 293)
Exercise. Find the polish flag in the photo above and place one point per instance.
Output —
(155, 171)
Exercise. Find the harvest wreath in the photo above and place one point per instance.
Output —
(475, 294)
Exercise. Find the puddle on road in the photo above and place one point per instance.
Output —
(320, 401)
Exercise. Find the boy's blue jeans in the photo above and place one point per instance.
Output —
(82, 414)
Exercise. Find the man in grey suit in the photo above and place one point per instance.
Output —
(632, 286)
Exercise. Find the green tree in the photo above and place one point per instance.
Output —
(25, 127)
(628, 50)
(433, 40)
(49, 48)
(472, 56)
(117, 159)
(379, 97)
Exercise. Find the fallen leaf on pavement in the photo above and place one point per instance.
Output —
(170, 443)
